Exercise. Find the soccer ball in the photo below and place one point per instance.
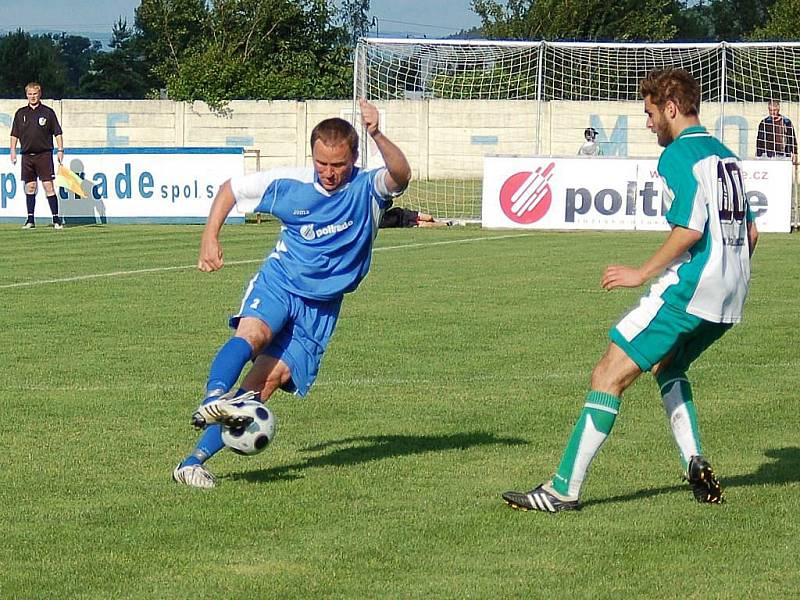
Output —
(256, 436)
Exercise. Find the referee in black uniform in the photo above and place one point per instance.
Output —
(35, 126)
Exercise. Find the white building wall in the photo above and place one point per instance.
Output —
(442, 138)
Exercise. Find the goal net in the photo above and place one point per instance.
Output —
(448, 103)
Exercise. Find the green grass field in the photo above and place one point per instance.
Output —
(457, 372)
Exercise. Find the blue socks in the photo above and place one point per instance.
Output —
(209, 443)
(228, 364)
(224, 373)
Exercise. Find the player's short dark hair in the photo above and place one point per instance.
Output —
(677, 85)
(590, 133)
(335, 131)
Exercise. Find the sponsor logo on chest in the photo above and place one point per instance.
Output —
(310, 232)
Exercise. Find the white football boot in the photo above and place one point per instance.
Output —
(196, 476)
(225, 410)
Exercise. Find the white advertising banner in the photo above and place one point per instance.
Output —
(129, 184)
(610, 193)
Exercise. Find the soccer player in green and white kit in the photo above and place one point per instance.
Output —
(704, 268)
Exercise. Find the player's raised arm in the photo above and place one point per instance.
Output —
(210, 258)
(398, 169)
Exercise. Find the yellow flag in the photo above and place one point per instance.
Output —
(70, 181)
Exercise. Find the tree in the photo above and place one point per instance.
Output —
(783, 22)
(692, 20)
(76, 53)
(735, 20)
(355, 19)
(121, 73)
(25, 58)
(168, 30)
(624, 20)
(263, 49)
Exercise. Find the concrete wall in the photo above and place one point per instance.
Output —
(442, 138)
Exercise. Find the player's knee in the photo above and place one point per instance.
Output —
(602, 381)
(255, 332)
(610, 381)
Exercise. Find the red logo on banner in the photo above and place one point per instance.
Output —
(525, 197)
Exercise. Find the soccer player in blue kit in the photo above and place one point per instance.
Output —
(329, 215)
(704, 273)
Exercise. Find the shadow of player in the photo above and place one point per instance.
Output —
(363, 449)
(784, 467)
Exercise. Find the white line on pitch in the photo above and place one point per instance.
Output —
(237, 262)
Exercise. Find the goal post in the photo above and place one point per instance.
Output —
(450, 103)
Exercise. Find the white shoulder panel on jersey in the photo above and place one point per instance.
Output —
(249, 189)
(379, 183)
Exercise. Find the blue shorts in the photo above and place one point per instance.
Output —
(301, 328)
(654, 330)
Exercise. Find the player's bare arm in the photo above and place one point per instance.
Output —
(397, 167)
(13, 151)
(60, 148)
(752, 236)
(679, 241)
(211, 258)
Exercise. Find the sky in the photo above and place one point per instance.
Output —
(422, 18)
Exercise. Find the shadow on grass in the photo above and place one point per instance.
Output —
(357, 450)
(783, 468)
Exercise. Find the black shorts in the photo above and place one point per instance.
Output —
(399, 217)
(38, 166)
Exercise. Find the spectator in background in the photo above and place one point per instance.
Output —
(590, 146)
(776, 136)
(34, 127)
(403, 217)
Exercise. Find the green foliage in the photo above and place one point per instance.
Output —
(625, 20)
(783, 22)
(25, 58)
(692, 20)
(456, 372)
(355, 19)
(258, 49)
(76, 53)
(735, 20)
(121, 73)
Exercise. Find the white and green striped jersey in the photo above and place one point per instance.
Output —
(704, 191)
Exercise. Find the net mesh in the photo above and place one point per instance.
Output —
(449, 104)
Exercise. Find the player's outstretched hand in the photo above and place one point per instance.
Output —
(621, 276)
(210, 256)
(369, 116)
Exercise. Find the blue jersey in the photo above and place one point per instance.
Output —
(325, 245)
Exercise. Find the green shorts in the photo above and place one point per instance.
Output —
(654, 330)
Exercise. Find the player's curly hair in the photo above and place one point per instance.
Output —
(677, 85)
(335, 131)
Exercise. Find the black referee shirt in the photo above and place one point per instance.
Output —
(35, 128)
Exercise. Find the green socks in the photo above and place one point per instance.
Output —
(595, 423)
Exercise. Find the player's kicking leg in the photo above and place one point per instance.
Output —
(267, 374)
(192, 471)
